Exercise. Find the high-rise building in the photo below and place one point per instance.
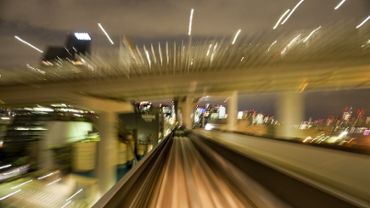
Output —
(78, 43)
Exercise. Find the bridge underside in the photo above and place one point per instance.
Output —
(272, 79)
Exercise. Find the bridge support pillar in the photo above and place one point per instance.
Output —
(232, 111)
(107, 150)
(186, 111)
(290, 111)
(107, 126)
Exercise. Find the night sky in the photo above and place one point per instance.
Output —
(317, 104)
(45, 22)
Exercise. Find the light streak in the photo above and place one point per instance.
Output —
(105, 33)
(66, 204)
(147, 56)
(271, 45)
(281, 18)
(236, 36)
(190, 21)
(22, 184)
(160, 53)
(339, 5)
(154, 57)
(47, 175)
(292, 11)
(29, 44)
(9, 195)
(167, 54)
(35, 69)
(209, 49)
(5, 166)
(55, 181)
(290, 44)
(73, 195)
(312, 32)
(363, 22)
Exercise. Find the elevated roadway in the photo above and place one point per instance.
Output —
(196, 171)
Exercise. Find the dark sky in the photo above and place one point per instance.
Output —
(317, 104)
(326, 103)
(46, 22)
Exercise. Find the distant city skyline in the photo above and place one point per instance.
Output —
(317, 104)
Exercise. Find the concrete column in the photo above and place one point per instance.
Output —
(232, 111)
(187, 110)
(290, 113)
(107, 126)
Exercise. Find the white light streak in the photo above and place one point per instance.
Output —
(281, 18)
(55, 181)
(160, 53)
(209, 49)
(154, 57)
(271, 45)
(22, 184)
(29, 44)
(5, 166)
(291, 12)
(236, 36)
(167, 54)
(363, 22)
(241, 60)
(290, 44)
(47, 175)
(73, 195)
(36, 69)
(9, 195)
(66, 204)
(339, 5)
(42, 109)
(105, 33)
(147, 56)
(214, 52)
(190, 21)
(312, 32)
